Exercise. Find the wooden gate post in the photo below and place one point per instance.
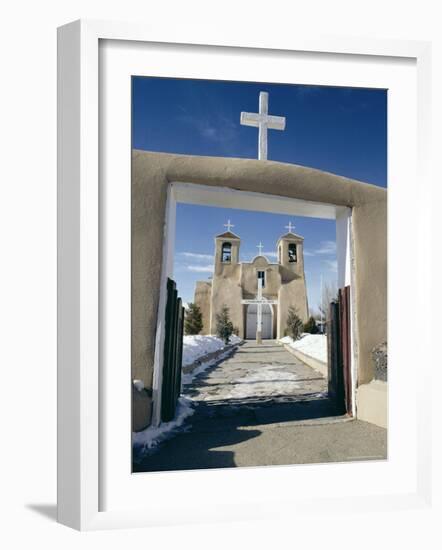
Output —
(344, 310)
(173, 353)
(335, 371)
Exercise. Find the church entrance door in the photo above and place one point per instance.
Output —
(252, 318)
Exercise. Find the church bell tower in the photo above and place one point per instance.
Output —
(290, 251)
(226, 249)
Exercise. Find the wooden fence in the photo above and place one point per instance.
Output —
(173, 353)
(339, 352)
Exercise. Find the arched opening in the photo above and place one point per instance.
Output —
(292, 253)
(226, 253)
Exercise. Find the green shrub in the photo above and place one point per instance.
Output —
(294, 324)
(224, 326)
(193, 322)
(310, 326)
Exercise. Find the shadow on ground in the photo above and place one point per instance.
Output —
(262, 429)
(184, 453)
(226, 423)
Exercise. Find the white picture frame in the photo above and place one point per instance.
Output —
(79, 363)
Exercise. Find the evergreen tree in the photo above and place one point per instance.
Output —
(294, 324)
(311, 326)
(224, 327)
(193, 322)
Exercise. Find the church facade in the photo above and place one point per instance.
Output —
(234, 283)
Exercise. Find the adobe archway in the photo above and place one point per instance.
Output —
(152, 175)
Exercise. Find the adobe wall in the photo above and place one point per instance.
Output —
(203, 292)
(292, 293)
(249, 278)
(226, 291)
(151, 175)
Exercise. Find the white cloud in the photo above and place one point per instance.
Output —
(200, 268)
(209, 132)
(326, 247)
(196, 256)
(216, 128)
(270, 254)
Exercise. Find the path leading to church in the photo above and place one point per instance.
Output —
(257, 374)
(262, 406)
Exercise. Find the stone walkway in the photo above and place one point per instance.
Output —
(265, 372)
(261, 407)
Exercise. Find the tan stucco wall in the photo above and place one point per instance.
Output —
(292, 293)
(372, 403)
(203, 293)
(249, 278)
(235, 243)
(226, 290)
(370, 293)
(233, 282)
(151, 174)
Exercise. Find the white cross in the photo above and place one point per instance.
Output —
(228, 225)
(260, 246)
(290, 227)
(259, 301)
(264, 122)
(259, 308)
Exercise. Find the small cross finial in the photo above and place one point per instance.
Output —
(228, 225)
(260, 246)
(290, 227)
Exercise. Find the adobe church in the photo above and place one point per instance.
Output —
(235, 284)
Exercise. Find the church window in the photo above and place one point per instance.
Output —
(262, 276)
(292, 253)
(226, 253)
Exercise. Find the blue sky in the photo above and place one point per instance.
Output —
(340, 130)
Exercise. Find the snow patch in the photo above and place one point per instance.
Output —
(261, 381)
(268, 374)
(188, 377)
(151, 437)
(196, 346)
(314, 345)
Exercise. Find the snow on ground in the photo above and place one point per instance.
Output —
(194, 347)
(252, 381)
(151, 437)
(197, 346)
(189, 376)
(314, 345)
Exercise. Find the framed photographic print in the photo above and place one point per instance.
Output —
(231, 275)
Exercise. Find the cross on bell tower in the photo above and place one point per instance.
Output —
(228, 225)
(290, 227)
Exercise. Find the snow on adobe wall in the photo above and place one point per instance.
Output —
(197, 346)
(313, 345)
